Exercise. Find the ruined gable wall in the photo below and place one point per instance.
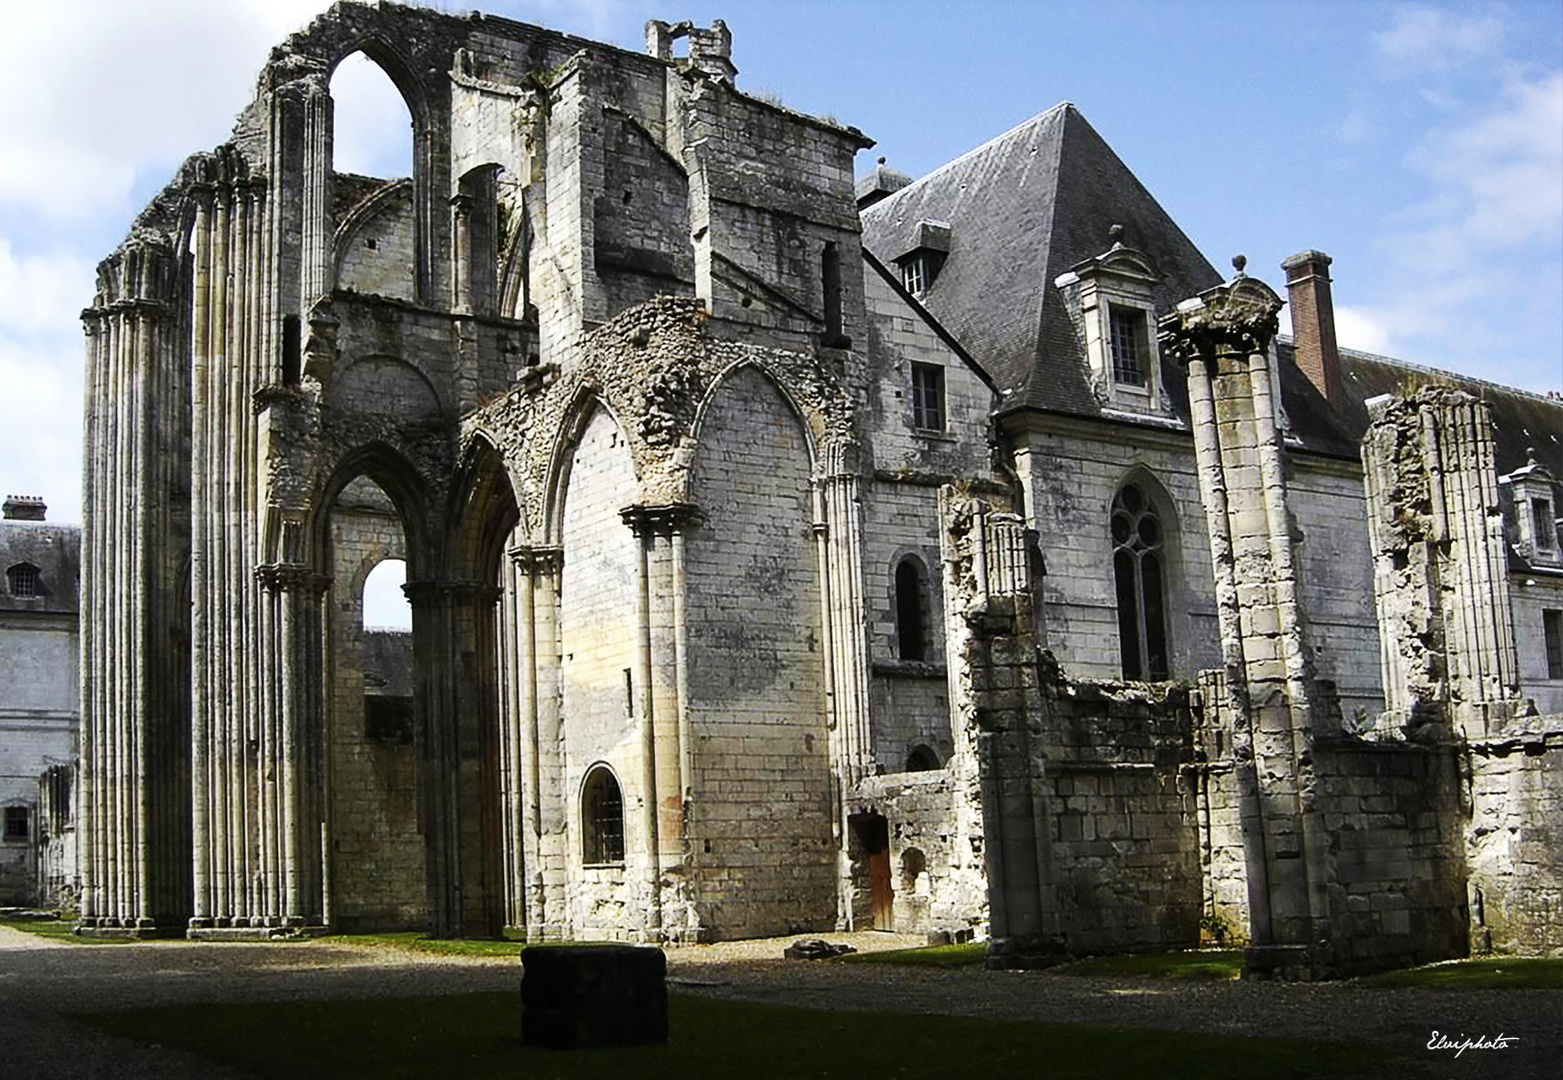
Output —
(375, 253)
(761, 827)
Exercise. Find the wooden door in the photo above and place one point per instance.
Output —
(880, 889)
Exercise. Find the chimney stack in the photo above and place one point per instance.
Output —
(24, 508)
(1313, 323)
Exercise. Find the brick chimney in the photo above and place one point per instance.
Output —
(24, 508)
(1313, 323)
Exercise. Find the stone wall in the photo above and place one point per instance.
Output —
(377, 850)
(762, 810)
(1396, 875)
(1513, 846)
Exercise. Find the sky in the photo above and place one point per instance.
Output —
(1420, 145)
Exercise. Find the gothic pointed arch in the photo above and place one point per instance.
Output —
(1142, 540)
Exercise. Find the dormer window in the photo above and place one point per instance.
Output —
(1130, 344)
(1113, 297)
(921, 264)
(1532, 487)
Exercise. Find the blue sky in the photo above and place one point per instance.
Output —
(1420, 145)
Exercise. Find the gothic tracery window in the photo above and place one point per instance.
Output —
(1139, 570)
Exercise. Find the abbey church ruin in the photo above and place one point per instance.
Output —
(790, 546)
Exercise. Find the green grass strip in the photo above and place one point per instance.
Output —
(939, 956)
(1500, 973)
(1209, 964)
(479, 1035)
(57, 930)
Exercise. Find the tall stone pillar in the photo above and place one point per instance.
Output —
(662, 704)
(457, 740)
(1222, 339)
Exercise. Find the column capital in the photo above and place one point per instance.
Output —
(425, 593)
(539, 559)
(663, 519)
(291, 577)
(1235, 318)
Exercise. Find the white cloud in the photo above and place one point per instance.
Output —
(1423, 40)
(94, 92)
(1363, 329)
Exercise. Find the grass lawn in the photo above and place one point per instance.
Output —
(942, 956)
(56, 930)
(1202, 965)
(478, 1035)
(1503, 973)
(416, 941)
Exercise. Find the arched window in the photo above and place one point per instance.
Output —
(1139, 566)
(602, 818)
(923, 758)
(911, 610)
(22, 580)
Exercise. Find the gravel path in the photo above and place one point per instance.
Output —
(42, 982)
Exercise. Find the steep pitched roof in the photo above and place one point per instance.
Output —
(1022, 210)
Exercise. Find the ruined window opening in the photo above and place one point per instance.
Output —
(1139, 561)
(1130, 345)
(372, 126)
(602, 818)
(1552, 630)
(911, 610)
(913, 866)
(18, 823)
(24, 581)
(292, 351)
(923, 758)
(830, 278)
(928, 397)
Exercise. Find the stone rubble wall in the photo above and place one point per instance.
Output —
(1514, 840)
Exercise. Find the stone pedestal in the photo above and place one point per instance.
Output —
(594, 995)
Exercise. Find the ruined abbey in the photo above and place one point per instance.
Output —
(791, 546)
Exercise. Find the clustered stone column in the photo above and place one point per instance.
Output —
(1440, 566)
(1222, 338)
(536, 835)
(661, 704)
(134, 846)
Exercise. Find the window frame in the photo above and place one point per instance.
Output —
(601, 847)
(915, 608)
(1552, 641)
(25, 815)
(1152, 631)
(921, 408)
(24, 572)
(1136, 322)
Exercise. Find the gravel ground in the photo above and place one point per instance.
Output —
(42, 982)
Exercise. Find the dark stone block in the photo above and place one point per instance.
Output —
(593, 995)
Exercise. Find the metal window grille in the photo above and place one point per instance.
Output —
(24, 582)
(602, 815)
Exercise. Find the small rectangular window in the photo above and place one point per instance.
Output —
(1552, 630)
(24, 581)
(18, 823)
(928, 397)
(1541, 524)
(1131, 350)
(912, 275)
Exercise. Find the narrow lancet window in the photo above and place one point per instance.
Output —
(1139, 562)
(911, 621)
(602, 818)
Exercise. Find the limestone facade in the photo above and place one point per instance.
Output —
(956, 555)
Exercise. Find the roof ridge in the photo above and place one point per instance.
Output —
(1290, 339)
(1062, 105)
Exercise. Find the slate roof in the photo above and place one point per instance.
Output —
(1039, 199)
(56, 551)
(1022, 210)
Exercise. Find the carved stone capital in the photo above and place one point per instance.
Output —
(1235, 318)
(661, 520)
(537, 560)
(433, 593)
(291, 578)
